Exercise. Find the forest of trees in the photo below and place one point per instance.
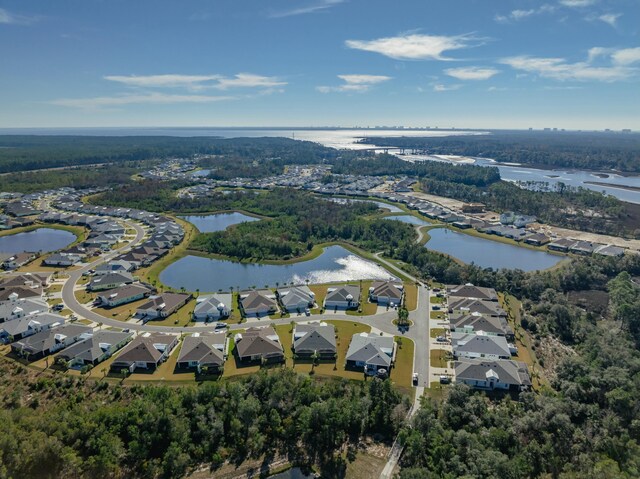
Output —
(63, 426)
(580, 150)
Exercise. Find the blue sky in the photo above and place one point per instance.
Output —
(463, 63)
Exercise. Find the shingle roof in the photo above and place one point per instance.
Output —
(341, 293)
(371, 347)
(471, 291)
(387, 289)
(92, 348)
(143, 348)
(480, 344)
(204, 348)
(508, 372)
(314, 337)
(258, 341)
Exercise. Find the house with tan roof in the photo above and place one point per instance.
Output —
(147, 351)
(258, 344)
(258, 303)
(203, 350)
(386, 293)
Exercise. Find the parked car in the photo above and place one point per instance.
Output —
(415, 378)
(221, 325)
(307, 312)
(58, 307)
(441, 339)
(444, 379)
(435, 307)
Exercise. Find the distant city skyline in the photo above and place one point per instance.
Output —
(566, 64)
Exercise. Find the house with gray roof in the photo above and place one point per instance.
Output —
(386, 293)
(342, 297)
(475, 323)
(609, 250)
(123, 295)
(479, 346)
(370, 352)
(110, 281)
(114, 266)
(492, 375)
(470, 305)
(201, 350)
(15, 307)
(163, 305)
(212, 307)
(51, 340)
(146, 351)
(296, 299)
(470, 291)
(258, 303)
(29, 325)
(96, 348)
(314, 339)
(257, 344)
(62, 259)
(16, 260)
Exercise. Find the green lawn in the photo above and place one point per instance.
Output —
(411, 296)
(436, 300)
(122, 312)
(438, 358)
(84, 297)
(435, 332)
(402, 371)
(437, 315)
(182, 317)
(54, 288)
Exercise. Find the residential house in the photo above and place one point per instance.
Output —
(471, 305)
(479, 346)
(212, 308)
(258, 344)
(470, 291)
(609, 250)
(343, 297)
(296, 299)
(561, 244)
(62, 259)
(35, 281)
(21, 292)
(146, 351)
(537, 239)
(370, 352)
(202, 350)
(258, 303)
(114, 266)
(17, 260)
(583, 247)
(110, 281)
(492, 375)
(123, 295)
(314, 339)
(96, 348)
(16, 307)
(163, 305)
(28, 325)
(51, 340)
(386, 293)
(475, 323)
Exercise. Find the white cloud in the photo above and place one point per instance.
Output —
(440, 87)
(516, 15)
(8, 18)
(146, 98)
(626, 56)
(472, 73)
(610, 18)
(354, 83)
(413, 46)
(617, 68)
(198, 82)
(320, 6)
(577, 3)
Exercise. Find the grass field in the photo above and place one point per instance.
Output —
(438, 358)
(182, 317)
(435, 332)
(437, 315)
(84, 296)
(403, 367)
(411, 296)
(436, 300)
(122, 312)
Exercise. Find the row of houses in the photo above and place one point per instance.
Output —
(482, 340)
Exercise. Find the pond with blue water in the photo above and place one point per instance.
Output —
(217, 222)
(39, 240)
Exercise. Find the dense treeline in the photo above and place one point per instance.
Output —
(79, 177)
(63, 426)
(31, 152)
(567, 207)
(583, 150)
(586, 426)
(302, 221)
(382, 165)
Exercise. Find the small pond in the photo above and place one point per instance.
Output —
(217, 222)
(412, 220)
(489, 254)
(207, 274)
(41, 239)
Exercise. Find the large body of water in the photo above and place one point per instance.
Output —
(206, 274)
(489, 254)
(41, 239)
(217, 222)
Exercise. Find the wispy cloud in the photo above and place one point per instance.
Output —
(577, 3)
(414, 46)
(472, 73)
(439, 87)
(146, 98)
(354, 83)
(198, 82)
(316, 7)
(517, 15)
(610, 18)
(8, 18)
(616, 65)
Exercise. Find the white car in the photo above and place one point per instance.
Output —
(415, 378)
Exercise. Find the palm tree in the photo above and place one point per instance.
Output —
(314, 359)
